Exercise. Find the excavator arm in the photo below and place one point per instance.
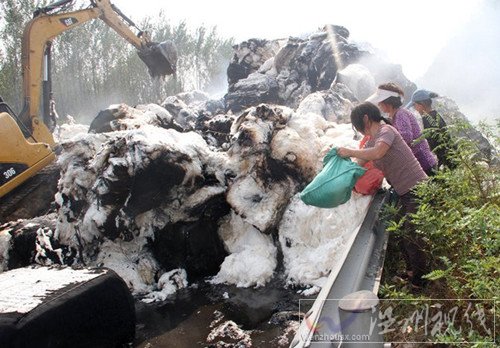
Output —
(26, 142)
(44, 27)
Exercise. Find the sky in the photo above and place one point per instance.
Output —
(413, 34)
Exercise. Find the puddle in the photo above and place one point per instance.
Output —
(267, 316)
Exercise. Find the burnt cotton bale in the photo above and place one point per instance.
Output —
(142, 186)
(194, 246)
(248, 57)
(197, 186)
(64, 307)
(297, 68)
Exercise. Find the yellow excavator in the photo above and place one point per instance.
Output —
(26, 141)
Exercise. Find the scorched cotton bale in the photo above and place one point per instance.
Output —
(57, 308)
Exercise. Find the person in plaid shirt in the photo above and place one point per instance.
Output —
(390, 153)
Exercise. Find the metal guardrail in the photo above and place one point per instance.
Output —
(360, 269)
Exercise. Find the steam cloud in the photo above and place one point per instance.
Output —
(468, 69)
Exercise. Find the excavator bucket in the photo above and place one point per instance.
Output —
(160, 58)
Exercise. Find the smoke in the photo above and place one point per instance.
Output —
(218, 85)
(467, 69)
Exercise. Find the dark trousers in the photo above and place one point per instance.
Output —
(431, 171)
(410, 243)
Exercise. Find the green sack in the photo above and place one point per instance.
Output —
(333, 185)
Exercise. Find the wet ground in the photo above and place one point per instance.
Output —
(207, 315)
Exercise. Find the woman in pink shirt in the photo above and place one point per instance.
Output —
(389, 99)
(390, 153)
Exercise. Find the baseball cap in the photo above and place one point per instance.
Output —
(420, 95)
(380, 95)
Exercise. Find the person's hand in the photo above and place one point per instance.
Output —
(343, 152)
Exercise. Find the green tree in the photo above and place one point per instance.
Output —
(85, 59)
(113, 72)
(14, 14)
(94, 67)
(203, 59)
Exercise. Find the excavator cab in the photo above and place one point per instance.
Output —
(26, 141)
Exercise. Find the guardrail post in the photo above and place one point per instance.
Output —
(358, 314)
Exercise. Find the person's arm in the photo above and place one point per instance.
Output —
(403, 125)
(441, 122)
(370, 154)
(425, 121)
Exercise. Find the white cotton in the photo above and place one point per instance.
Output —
(168, 284)
(43, 244)
(23, 289)
(268, 67)
(358, 79)
(68, 131)
(253, 256)
(94, 218)
(314, 103)
(251, 267)
(257, 204)
(231, 332)
(313, 290)
(290, 147)
(314, 239)
(133, 264)
(342, 135)
(30, 225)
(5, 245)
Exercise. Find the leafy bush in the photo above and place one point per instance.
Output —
(459, 219)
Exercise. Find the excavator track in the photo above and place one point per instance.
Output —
(33, 198)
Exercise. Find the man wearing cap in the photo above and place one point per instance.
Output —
(439, 139)
(388, 98)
